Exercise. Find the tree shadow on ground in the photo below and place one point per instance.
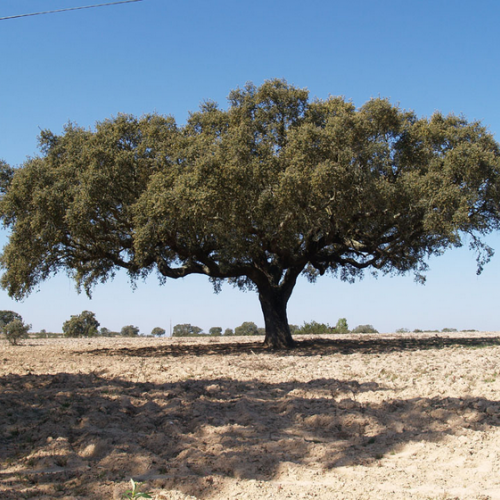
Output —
(85, 430)
(309, 347)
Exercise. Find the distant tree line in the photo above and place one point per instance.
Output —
(250, 328)
(85, 324)
(246, 328)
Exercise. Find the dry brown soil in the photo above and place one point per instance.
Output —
(340, 417)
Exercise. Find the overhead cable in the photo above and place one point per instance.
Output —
(66, 10)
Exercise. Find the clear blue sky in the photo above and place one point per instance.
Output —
(166, 56)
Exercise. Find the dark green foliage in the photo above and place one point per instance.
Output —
(6, 175)
(186, 330)
(364, 329)
(403, 330)
(15, 330)
(314, 328)
(8, 316)
(215, 331)
(157, 331)
(228, 332)
(449, 330)
(129, 331)
(81, 325)
(247, 328)
(273, 187)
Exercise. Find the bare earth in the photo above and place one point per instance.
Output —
(341, 417)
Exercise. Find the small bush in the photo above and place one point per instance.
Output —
(81, 325)
(247, 328)
(129, 331)
(314, 328)
(16, 330)
(43, 334)
(186, 330)
(157, 331)
(402, 330)
(228, 332)
(364, 329)
(341, 326)
(215, 331)
(449, 330)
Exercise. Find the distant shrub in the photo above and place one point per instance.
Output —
(186, 330)
(364, 329)
(215, 331)
(314, 328)
(81, 325)
(341, 326)
(402, 330)
(417, 330)
(15, 330)
(157, 331)
(43, 334)
(449, 330)
(228, 332)
(129, 331)
(247, 328)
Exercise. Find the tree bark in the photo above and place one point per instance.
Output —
(273, 303)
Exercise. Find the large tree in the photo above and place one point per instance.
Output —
(274, 186)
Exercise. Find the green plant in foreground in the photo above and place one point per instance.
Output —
(134, 492)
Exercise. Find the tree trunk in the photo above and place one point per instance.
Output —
(273, 303)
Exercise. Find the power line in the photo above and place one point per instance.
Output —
(66, 10)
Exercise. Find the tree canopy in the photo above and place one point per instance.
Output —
(81, 325)
(158, 331)
(247, 328)
(15, 330)
(7, 316)
(130, 331)
(186, 330)
(273, 187)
